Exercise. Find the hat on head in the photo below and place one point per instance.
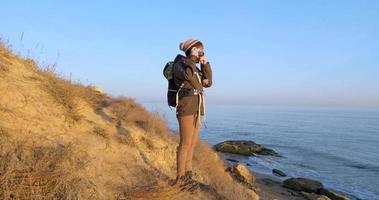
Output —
(184, 46)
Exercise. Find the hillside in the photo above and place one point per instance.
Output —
(64, 140)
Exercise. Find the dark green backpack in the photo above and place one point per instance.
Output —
(173, 88)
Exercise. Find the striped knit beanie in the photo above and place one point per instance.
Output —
(184, 46)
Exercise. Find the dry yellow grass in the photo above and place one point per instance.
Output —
(63, 140)
(30, 170)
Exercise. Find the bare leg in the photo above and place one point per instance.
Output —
(186, 130)
(196, 130)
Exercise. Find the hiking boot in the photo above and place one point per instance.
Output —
(189, 183)
(179, 181)
(189, 174)
(194, 186)
(187, 178)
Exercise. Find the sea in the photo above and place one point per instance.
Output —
(337, 146)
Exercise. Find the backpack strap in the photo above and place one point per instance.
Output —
(177, 94)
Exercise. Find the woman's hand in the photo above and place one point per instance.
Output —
(203, 60)
(195, 53)
(205, 82)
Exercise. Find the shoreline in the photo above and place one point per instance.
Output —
(267, 185)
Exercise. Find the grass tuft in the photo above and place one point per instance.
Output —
(100, 132)
(30, 171)
(63, 92)
(132, 113)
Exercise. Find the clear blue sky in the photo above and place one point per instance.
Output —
(321, 52)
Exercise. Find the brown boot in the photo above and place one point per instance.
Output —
(180, 180)
(190, 184)
(187, 179)
(189, 174)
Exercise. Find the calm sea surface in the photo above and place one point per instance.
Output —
(338, 146)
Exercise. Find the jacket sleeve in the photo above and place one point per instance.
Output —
(182, 72)
(207, 74)
(185, 72)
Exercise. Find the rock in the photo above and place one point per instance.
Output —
(270, 182)
(313, 196)
(232, 160)
(279, 173)
(268, 152)
(97, 89)
(333, 194)
(243, 174)
(293, 193)
(303, 184)
(244, 147)
(228, 169)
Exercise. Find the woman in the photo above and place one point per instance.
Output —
(191, 103)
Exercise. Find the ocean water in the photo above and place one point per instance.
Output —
(338, 146)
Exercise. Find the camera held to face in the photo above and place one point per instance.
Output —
(197, 52)
(200, 53)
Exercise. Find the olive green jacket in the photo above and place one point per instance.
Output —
(183, 72)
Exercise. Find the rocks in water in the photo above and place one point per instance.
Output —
(244, 147)
(270, 182)
(232, 160)
(312, 189)
(313, 196)
(278, 172)
(308, 188)
(303, 184)
(333, 195)
(268, 152)
(243, 174)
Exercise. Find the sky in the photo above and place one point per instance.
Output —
(273, 52)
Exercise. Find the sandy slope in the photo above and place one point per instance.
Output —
(56, 143)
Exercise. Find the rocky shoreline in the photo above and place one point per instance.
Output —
(271, 187)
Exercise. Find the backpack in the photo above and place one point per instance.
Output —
(173, 89)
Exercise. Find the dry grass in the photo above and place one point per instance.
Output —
(3, 66)
(216, 174)
(93, 98)
(31, 171)
(100, 132)
(125, 109)
(155, 123)
(66, 93)
(132, 113)
(149, 144)
(5, 46)
(123, 139)
(3, 69)
(63, 91)
(3, 62)
(7, 55)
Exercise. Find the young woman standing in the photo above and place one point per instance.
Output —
(191, 102)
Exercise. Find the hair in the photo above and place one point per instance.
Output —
(188, 52)
(198, 45)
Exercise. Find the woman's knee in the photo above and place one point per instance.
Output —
(184, 145)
